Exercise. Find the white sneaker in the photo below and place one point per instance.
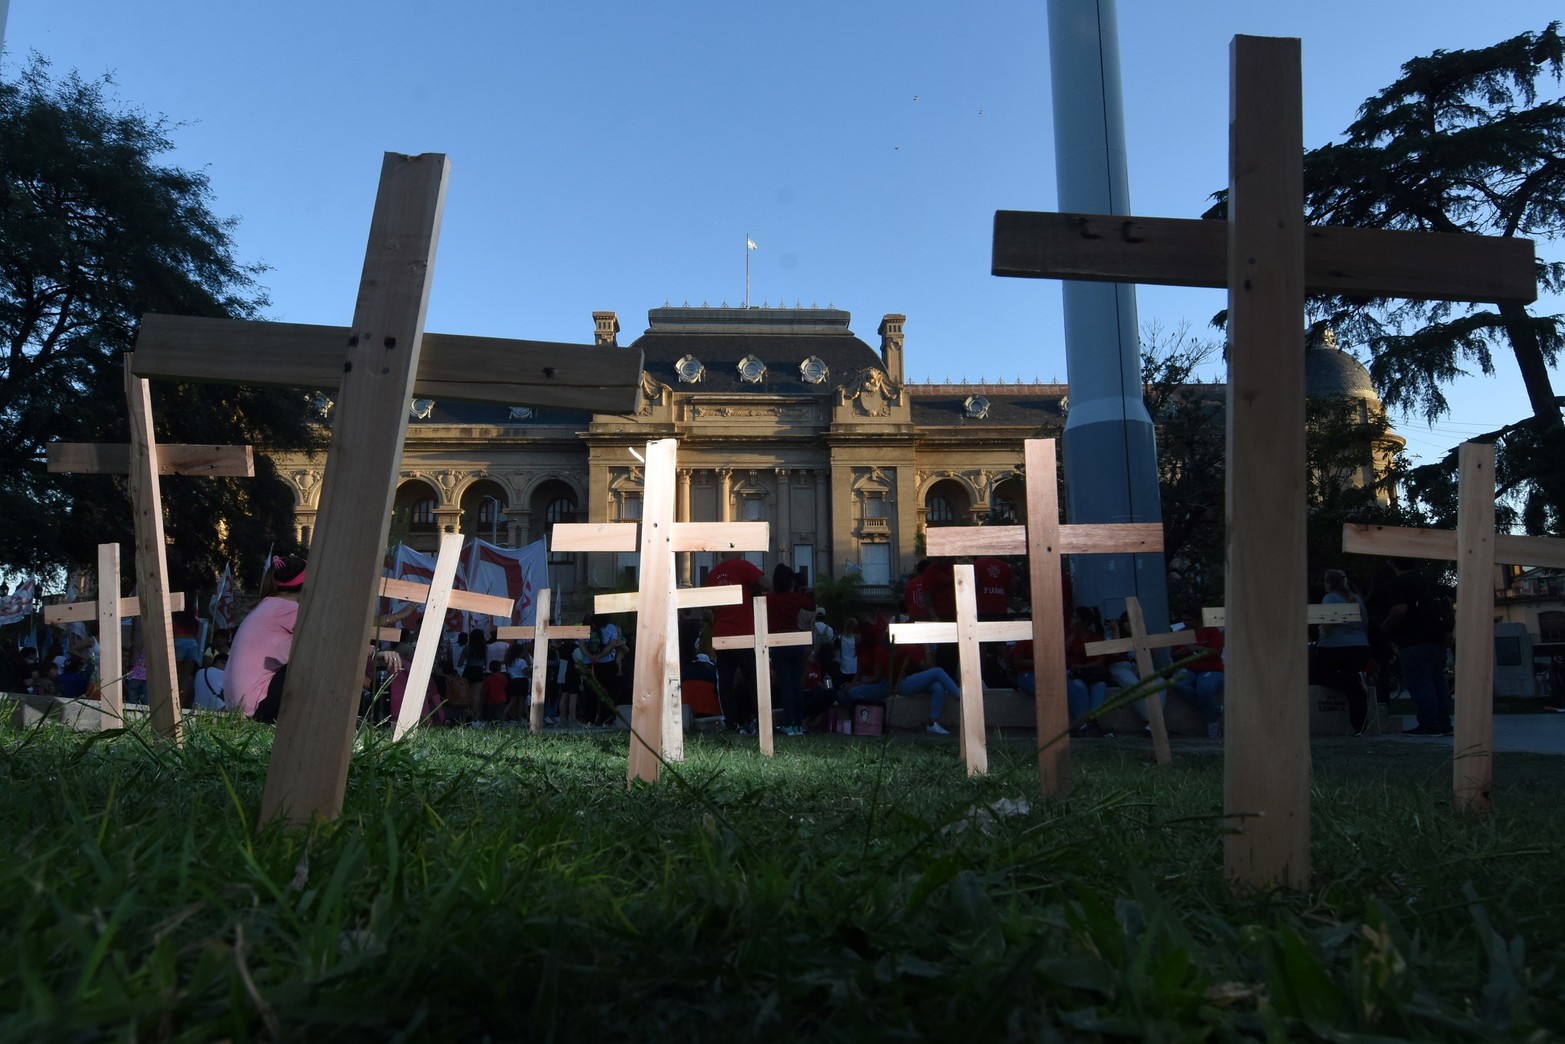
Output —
(938, 729)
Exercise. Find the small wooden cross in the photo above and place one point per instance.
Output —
(762, 641)
(541, 632)
(1271, 260)
(108, 610)
(1475, 547)
(1142, 644)
(1043, 540)
(656, 724)
(143, 460)
(967, 632)
(374, 367)
(1333, 613)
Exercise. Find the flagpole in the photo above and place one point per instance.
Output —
(747, 270)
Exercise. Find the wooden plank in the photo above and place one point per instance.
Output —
(1145, 669)
(947, 541)
(451, 366)
(684, 598)
(430, 635)
(1336, 612)
(773, 640)
(656, 619)
(522, 634)
(593, 536)
(94, 458)
(1048, 617)
(1166, 640)
(1473, 764)
(315, 728)
(1131, 538)
(1442, 544)
(157, 625)
(83, 612)
(975, 740)
(935, 632)
(469, 601)
(720, 536)
(110, 637)
(1267, 762)
(1358, 262)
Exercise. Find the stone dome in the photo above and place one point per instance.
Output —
(1330, 372)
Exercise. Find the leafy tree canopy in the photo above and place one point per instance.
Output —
(95, 231)
(1461, 143)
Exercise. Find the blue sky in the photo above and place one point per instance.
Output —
(615, 155)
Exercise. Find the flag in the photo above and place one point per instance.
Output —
(222, 605)
(750, 243)
(18, 605)
(516, 573)
(73, 593)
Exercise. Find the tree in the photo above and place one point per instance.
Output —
(1460, 144)
(95, 232)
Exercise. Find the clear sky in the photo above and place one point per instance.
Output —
(614, 155)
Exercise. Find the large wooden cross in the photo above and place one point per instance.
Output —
(143, 461)
(656, 721)
(1043, 540)
(1268, 259)
(542, 632)
(1141, 644)
(1475, 547)
(762, 641)
(108, 609)
(967, 631)
(374, 367)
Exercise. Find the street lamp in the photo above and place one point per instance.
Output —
(495, 519)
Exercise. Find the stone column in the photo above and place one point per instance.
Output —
(824, 534)
(725, 511)
(682, 514)
(784, 526)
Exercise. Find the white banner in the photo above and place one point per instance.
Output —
(18, 605)
(485, 568)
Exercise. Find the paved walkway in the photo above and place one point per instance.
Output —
(1523, 733)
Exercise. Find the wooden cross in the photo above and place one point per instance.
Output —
(1476, 548)
(1043, 540)
(1332, 613)
(967, 632)
(541, 632)
(374, 367)
(143, 460)
(108, 610)
(1268, 259)
(1142, 644)
(762, 641)
(656, 723)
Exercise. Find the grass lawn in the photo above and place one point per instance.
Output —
(487, 884)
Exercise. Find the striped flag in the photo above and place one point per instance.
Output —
(222, 607)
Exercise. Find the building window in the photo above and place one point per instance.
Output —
(630, 508)
(750, 509)
(488, 511)
(875, 505)
(1003, 508)
(875, 560)
(939, 512)
(1551, 626)
(626, 565)
(423, 513)
(804, 563)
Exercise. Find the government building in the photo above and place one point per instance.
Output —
(783, 415)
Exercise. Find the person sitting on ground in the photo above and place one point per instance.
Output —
(75, 679)
(698, 687)
(207, 684)
(1087, 677)
(433, 711)
(1201, 683)
(874, 681)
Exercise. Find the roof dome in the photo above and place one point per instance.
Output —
(1330, 372)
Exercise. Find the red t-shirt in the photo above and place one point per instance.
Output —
(494, 688)
(782, 610)
(942, 589)
(1210, 639)
(993, 577)
(728, 620)
(915, 596)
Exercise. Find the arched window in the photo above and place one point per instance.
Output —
(939, 512)
(423, 513)
(560, 509)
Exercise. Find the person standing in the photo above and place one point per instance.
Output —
(1343, 649)
(786, 607)
(1418, 624)
(736, 667)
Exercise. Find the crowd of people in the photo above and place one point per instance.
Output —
(481, 679)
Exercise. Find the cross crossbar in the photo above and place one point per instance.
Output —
(1142, 644)
(762, 641)
(1359, 262)
(97, 458)
(542, 632)
(1333, 613)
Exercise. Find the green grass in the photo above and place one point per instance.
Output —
(486, 884)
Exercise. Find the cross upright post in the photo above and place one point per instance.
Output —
(656, 720)
(375, 367)
(1475, 548)
(1141, 644)
(1043, 540)
(1268, 259)
(542, 632)
(762, 641)
(967, 632)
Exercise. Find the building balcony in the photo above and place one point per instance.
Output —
(876, 526)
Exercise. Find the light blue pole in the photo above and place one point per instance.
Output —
(1110, 452)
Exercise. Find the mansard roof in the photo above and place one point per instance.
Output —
(781, 338)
